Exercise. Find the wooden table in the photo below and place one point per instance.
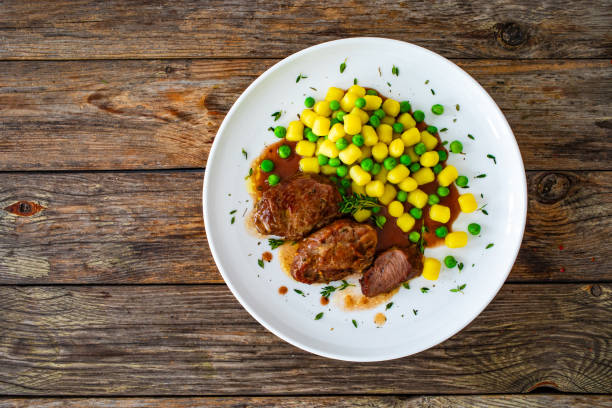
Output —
(107, 286)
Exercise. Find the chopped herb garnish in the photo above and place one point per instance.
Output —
(275, 243)
(276, 115)
(300, 77)
(395, 70)
(426, 82)
(433, 92)
(485, 212)
(389, 84)
(415, 311)
(406, 285)
(233, 220)
(313, 88)
(355, 202)
(299, 292)
(379, 72)
(250, 173)
(459, 288)
(343, 66)
(233, 212)
(481, 195)
(481, 176)
(457, 107)
(424, 290)
(460, 266)
(490, 156)
(443, 129)
(260, 262)
(389, 305)
(489, 246)
(319, 316)
(328, 290)
(354, 81)
(454, 120)
(271, 129)
(354, 322)
(245, 154)
(471, 137)
(444, 143)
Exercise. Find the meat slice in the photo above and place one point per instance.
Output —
(296, 206)
(333, 252)
(391, 268)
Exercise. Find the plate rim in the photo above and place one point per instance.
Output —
(380, 356)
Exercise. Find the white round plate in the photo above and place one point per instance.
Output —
(416, 320)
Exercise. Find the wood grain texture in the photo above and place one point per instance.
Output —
(147, 228)
(187, 28)
(455, 401)
(197, 340)
(75, 115)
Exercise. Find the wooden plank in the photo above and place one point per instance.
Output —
(75, 115)
(455, 401)
(183, 29)
(197, 340)
(147, 228)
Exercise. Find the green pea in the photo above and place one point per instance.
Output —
(309, 102)
(342, 171)
(420, 148)
(334, 162)
(433, 199)
(379, 113)
(461, 181)
(358, 140)
(340, 116)
(374, 121)
(398, 127)
(280, 132)
(418, 116)
(443, 191)
(442, 155)
(474, 228)
(367, 164)
(390, 163)
(346, 183)
(405, 106)
(442, 231)
(376, 169)
(371, 92)
(402, 196)
(456, 146)
(333, 122)
(341, 143)
(360, 102)
(375, 210)
(416, 213)
(450, 261)
(311, 136)
(405, 160)
(284, 151)
(414, 237)
(267, 165)
(381, 220)
(437, 168)
(334, 105)
(323, 159)
(273, 179)
(437, 109)
(414, 167)
(432, 129)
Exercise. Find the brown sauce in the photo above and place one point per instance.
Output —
(380, 319)
(353, 299)
(266, 256)
(324, 301)
(282, 290)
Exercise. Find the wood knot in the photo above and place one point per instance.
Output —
(510, 34)
(24, 208)
(553, 187)
(596, 290)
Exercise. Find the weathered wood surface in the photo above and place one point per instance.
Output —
(146, 227)
(455, 401)
(74, 115)
(197, 340)
(187, 28)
